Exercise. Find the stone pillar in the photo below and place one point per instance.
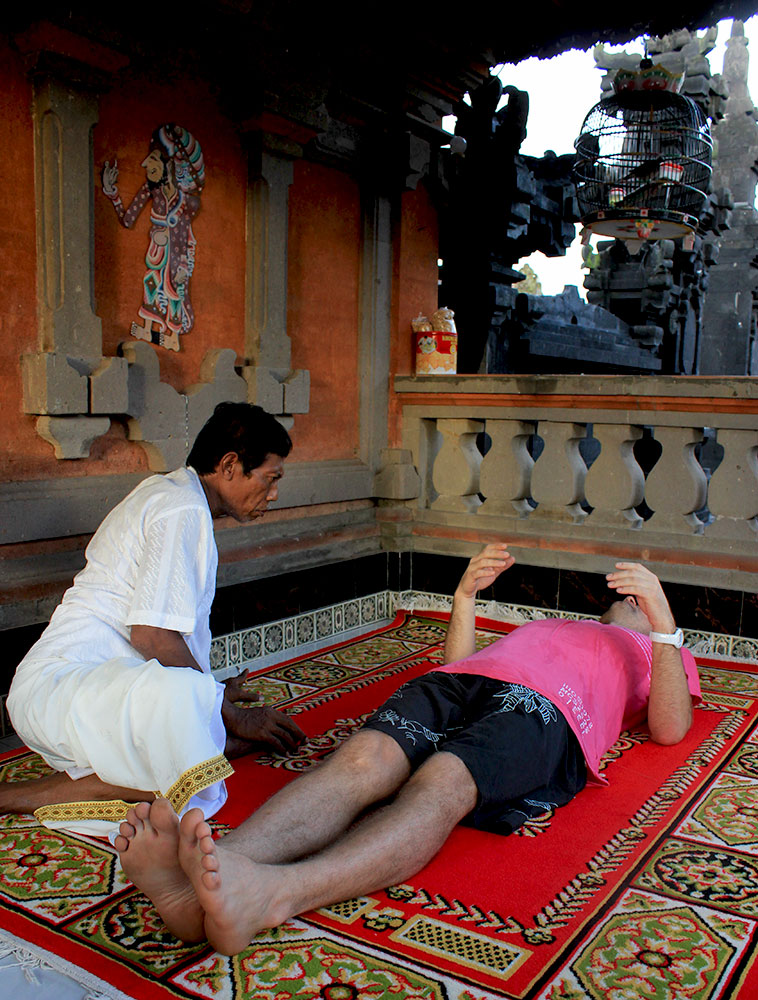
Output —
(67, 381)
(726, 342)
(64, 118)
(456, 468)
(374, 332)
(615, 482)
(676, 486)
(268, 355)
(733, 490)
(559, 473)
(507, 469)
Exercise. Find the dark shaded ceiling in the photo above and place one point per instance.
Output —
(399, 58)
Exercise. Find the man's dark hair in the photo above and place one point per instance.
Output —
(241, 427)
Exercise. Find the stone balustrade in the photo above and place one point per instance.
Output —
(574, 469)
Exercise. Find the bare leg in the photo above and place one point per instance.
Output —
(306, 814)
(320, 805)
(52, 789)
(240, 896)
(148, 847)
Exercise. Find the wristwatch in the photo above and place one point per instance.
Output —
(671, 639)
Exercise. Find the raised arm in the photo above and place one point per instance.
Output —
(669, 713)
(481, 572)
(127, 217)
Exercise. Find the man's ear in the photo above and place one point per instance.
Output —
(227, 464)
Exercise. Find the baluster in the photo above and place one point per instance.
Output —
(456, 468)
(507, 468)
(733, 491)
(615, 482)
(676, 486)
(559, 473)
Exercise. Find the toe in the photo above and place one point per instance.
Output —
(163, 817)
(133, 820)
(121, 843)
(211, 880)
(142, 809)
(209, 862)
(207, 845)
(189, 823)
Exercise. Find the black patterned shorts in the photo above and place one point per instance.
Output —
(518, 748)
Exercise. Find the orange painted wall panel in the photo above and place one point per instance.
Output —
(323, 308)
(415, 286)
(21, 450)
(128, 116)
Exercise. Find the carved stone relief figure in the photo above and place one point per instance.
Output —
(175, 178)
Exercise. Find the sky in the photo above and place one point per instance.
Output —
(561, 92)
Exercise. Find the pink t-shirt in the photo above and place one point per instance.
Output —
(598, 676)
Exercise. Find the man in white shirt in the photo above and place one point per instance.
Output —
(117, 694)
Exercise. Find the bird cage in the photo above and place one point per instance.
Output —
(643, 159)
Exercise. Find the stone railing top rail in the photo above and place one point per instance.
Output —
(738, 389)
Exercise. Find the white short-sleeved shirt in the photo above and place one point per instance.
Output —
(87, 701)
(152, 561)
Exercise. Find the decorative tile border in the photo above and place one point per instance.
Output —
(306, 633)
(302, 634)
(267, 644)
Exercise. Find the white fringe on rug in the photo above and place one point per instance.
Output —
(28, 959)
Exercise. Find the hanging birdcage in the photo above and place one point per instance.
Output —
(643, 159)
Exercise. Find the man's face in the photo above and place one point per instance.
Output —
(246, 497)
(154, 166)
(628, 614)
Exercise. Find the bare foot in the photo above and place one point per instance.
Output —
(148, 846)
(239, 897)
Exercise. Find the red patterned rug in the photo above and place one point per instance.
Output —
(646, 888)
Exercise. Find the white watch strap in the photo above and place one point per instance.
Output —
(671, 639)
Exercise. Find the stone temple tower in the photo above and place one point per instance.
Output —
(728, 339)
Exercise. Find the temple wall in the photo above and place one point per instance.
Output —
(309, 270)
(305, 275)
(323, 308)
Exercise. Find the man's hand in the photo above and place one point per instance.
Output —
(236, 690)
(642, 583)
(669, 711)
(484, 569)
(262, 726)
